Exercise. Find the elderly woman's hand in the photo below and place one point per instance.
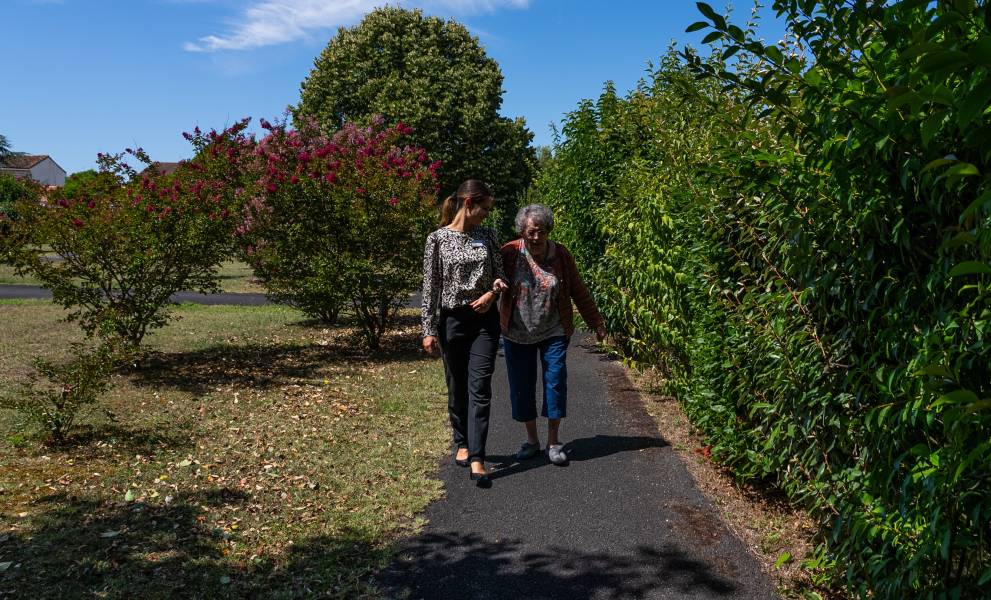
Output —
(600, 333)
(499, 286)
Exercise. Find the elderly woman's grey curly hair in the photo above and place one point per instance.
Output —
(538, 213)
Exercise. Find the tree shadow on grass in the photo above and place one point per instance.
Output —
(405, 319)
(75, 548)
(456, 566)
(260, 366)
(91, 440)
(264, 366)
(134, 440)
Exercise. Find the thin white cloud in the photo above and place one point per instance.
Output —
(269, 22)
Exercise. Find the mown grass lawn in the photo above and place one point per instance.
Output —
(251, 454)
(235, 276)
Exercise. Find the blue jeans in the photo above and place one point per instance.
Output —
(521, 365)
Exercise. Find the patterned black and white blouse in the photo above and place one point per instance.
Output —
(458, 267)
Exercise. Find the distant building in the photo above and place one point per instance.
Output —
(164, 168)
(41, 168)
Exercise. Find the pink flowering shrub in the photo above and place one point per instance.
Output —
(339, 221)
(127, 240)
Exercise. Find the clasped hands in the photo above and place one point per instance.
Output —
(484, 302)
(430, 343)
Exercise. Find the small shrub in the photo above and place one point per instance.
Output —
(59, 394)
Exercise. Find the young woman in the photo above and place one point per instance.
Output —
(462, 276)
(537, 320)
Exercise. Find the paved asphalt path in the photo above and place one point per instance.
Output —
(622, 520)
(24, 292)
(34, 292)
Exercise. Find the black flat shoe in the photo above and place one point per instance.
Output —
(481, 479)
(461, 463)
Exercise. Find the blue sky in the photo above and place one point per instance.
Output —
(88, 76)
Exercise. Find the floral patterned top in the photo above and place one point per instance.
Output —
(536, 290)
(458, 267)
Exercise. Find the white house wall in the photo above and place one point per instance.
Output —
(48, 173)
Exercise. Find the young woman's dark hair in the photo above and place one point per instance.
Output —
(471, 188)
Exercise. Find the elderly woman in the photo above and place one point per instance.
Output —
(537, 320)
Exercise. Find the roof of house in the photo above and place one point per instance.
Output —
(165, 168)
(22, 161)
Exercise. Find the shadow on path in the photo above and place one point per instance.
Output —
(459, 566)
(582, 449)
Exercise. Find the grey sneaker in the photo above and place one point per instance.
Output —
(557, 455)
(527, 451)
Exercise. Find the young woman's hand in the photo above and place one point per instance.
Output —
(484, 302)
(499, 286)
(431, 346)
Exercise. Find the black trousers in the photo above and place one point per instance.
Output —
(469, 342)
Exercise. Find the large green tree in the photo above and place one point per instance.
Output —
(5, 149)
(431, 74)
(84, 183)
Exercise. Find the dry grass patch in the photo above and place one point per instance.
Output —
(250, 454)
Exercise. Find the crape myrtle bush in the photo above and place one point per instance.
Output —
(128, 240)
(339, 220)
(810, 264)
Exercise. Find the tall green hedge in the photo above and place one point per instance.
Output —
(802, 240)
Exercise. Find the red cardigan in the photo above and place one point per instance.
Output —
(562, 263)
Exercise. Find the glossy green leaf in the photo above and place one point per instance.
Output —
(940, 370)
(962, 169)
(955, 397)
(812, 76)
(783, 559)
(970, 267)
(974, 104)
(931, 126)
(711, 37)
(982, 202)
(706, 10)
(980, 52)
(916, 50)
(943, 59)
(935, 164)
